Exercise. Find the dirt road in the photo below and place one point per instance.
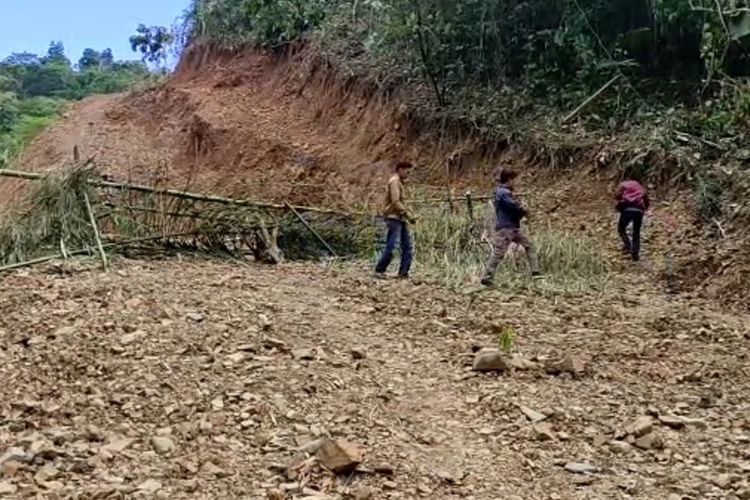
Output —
(235, 368)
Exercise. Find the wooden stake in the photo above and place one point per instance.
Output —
(94, 225)
(313, 231)
(470, 205)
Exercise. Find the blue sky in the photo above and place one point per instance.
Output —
(30, 25)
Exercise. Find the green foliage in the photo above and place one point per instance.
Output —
(233, 24)
(34, 90)
(506, 339)
(709, 194)
(152, 42)
(8, 111)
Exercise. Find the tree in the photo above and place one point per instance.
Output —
(8, 111)
(90, 59)
(107, 59)
(56, 54)
(152, 42)
(21, 59)
(49, 79)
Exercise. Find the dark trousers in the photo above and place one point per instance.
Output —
(632, 217)
(398, 231)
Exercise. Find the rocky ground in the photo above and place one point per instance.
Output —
(195, 379)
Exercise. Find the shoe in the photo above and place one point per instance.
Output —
(487, 282)
(403, 276)
(379, 276)
(537, 274)
(636, 257)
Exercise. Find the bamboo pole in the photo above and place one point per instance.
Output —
(590, 99)
(95, 226)
(313, 231)
(184, 194)
(114, 244)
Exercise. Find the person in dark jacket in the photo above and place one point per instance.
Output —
(508, 216)
(632, 202)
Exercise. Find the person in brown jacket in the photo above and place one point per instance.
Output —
(397, 220)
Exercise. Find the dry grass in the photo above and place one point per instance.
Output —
(454, 249)
(51, 216)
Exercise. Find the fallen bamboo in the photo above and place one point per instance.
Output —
(95, 227)
(184, 194)
(114, 244)
(591, 99)
(313, 231)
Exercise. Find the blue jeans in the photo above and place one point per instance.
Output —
(397, 231)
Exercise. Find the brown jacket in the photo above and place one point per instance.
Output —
(395, 198)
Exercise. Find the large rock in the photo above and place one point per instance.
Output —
(490, 360)
(340, 456)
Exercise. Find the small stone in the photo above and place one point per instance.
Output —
(619, 447)
(211, 469)
(543, 432)
(237, 357)
(52, 485)
(46, 474)
(7, 488)
(275, 495)
(162, 445)
(599, 440)
(490, 360)
(196, 316)
(640, 426)
(312, 447)
(10, 468)
(129, 338)
(649, 441)
(695, 422)
(580, 468)
(190, 486)
(15, 455)
(424, 489)
(359, 353)
(384, 469)
(569, 364)
(363, 493)
(303, 354)
(672, 422)
(722, 481)
(339, 456)
(390, 485)
(533, 415)
(521, 363)
(150, 486)
(583, 480)
(118, 444)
